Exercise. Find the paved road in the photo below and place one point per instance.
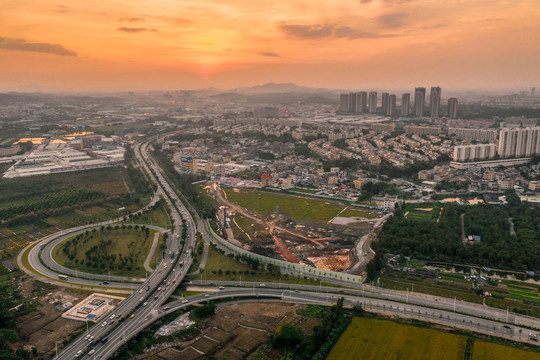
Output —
(144, 302)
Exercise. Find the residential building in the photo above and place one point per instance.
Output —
(383, 127)
(384, 102)
(435, 101)
(361, 102)
(505, 184)
(344, 102)
(372, 102)
(423, 130)
(474, 134)
(391, 105)
(425, 175)
(405, 104)
(474, 152)
(419, 101)
(519, 142)
(359, 183)
(452, 108)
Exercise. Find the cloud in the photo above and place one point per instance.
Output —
(23, 45)
(331, 31)
(351, 33)
(317, 31)
(269, 54)
(131, 30)
(392, 20)
(131, 19)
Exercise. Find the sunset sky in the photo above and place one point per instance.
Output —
(350, 44)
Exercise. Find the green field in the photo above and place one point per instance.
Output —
(375, 339)
(483, 350)
(122, 252)
(298, 208)
(367, 214)
(156, 217)
(109, 129)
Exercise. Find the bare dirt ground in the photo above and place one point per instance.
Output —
(45, 326)
(235, 331)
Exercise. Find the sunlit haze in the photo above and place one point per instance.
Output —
(163, 44)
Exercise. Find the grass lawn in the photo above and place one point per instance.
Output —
(376, 339)
(156, 217)
(296, 207)
(483, 350)
(157, 254)
(122, 252)
(216, 261)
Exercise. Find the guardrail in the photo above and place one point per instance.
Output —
(287, 266)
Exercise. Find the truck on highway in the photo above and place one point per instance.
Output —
(181, 263)
(62, 277)
(104, 340)
(171, 254)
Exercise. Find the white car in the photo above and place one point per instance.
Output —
(184, 301)
(91, 352)
(78, 353)
(104, 324)
(145, 303)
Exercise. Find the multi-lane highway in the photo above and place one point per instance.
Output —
(142, 306)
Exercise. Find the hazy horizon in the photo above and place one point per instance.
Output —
(139, 45)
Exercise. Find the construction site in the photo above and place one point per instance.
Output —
(324, 240)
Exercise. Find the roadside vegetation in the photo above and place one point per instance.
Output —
(184, 182)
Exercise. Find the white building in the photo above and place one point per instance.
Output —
(474, 152)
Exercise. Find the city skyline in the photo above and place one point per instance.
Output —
(139, 45)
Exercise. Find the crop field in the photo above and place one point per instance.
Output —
(120, 251)
(373, 339)
(298, 208)
(483, 350)
(523, 293)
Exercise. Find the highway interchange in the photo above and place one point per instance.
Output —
(145, 304)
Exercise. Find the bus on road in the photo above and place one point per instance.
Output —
(62, 277)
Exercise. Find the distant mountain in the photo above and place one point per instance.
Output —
(272, 88)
